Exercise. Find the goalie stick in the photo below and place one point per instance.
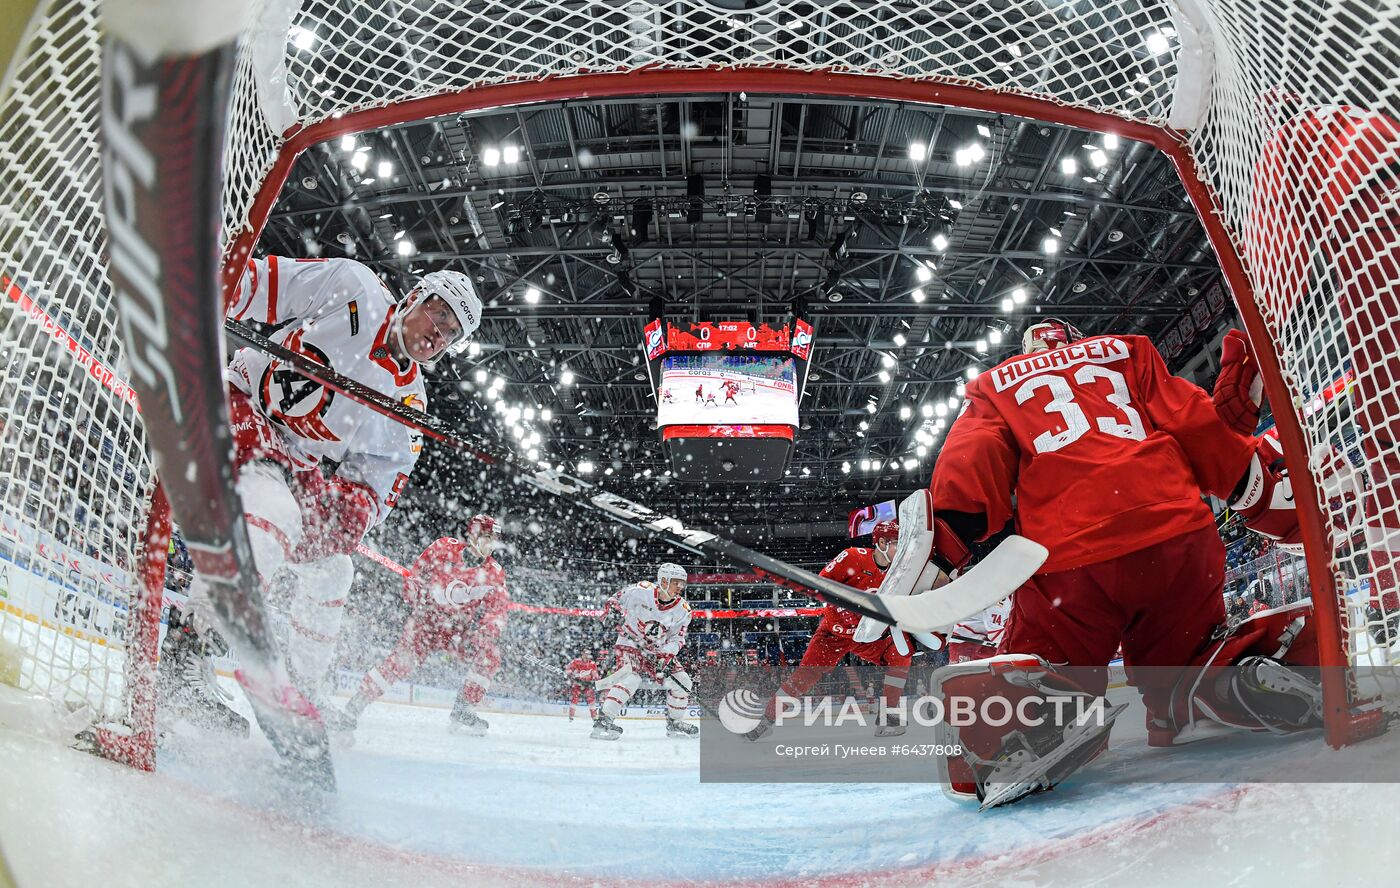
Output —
(998, 575)
(163, 107)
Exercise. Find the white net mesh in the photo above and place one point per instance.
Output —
(1307, 189)
(75, 480)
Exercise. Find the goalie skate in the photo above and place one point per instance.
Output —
(1029, 764)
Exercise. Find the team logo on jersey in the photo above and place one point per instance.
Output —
(354, 318)
(294, 402)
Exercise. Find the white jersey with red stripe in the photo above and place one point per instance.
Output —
(987, 627)
(647, 623)
(339, 314)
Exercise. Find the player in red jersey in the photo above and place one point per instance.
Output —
(460, 603)
(731, 388)
(859, 568)
(1106, 455)
(583, 674)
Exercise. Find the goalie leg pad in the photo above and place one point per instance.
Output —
(1022, 727)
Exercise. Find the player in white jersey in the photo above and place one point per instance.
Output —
(316, 469)
(977, 637)
(651, 620)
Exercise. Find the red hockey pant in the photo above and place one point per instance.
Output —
(826, 649)
(1161, 602)
(577, 690)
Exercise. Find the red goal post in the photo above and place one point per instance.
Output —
(1218, 85)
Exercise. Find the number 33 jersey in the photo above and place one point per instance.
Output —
(1105, 451)
(337, 313)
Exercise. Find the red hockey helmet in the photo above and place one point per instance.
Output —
(885, 530)
(1047, 334)
(482, 525)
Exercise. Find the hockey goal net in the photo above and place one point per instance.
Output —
(1277, 113)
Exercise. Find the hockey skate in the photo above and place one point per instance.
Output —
(1281, 697)
(605, 728)
(891, 725)
(185, 680)
(1037, 760)
(464, 720)
(676, 727)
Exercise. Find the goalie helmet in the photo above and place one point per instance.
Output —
(885, 530)
(1047, 334)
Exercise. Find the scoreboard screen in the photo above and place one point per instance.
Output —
(700, 389)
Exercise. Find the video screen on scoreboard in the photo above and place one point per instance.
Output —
(712, 389)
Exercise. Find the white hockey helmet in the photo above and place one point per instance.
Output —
(457, 290)
(670, 571)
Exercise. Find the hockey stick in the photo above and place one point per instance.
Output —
(163, 109)
(976, 590)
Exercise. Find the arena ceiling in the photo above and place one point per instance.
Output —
(918, 239)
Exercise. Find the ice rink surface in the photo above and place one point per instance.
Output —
(539, 803)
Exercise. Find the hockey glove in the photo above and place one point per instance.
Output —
(1239, 388)
(336, 513)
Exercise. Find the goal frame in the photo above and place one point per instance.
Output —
(1344, 724)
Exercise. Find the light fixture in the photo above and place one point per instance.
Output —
(845, 468)
(910, 464)
(952, 402)
(360, 160)
(405, 247)
(971, 373)
(961, 389)
(917, 294)
(479, 375)
(1069, 166)
(1050, 245)
(1157, 43)
(510, 154)
(926, 411)
(885, 376)
(566, 376)
(899, 340)
(862, 425)
(941, 409)
(887, 361)
(981, 346)
(347, 144)
(1018, 295)
(1110, 141)
(473, 349)
(384, 170)
(870, 407)
(905, 411)
(1007, 305)
(865, 465)
(491, 157)
(532, 295)
(498, 383)
(917, 151)
(921, 450)
(528, 413)
(983, 131)
(546, 414)
(923, 274)
(994, 336)
(940, 241)
(585, 468)
(894, 464)
(1098, 159)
